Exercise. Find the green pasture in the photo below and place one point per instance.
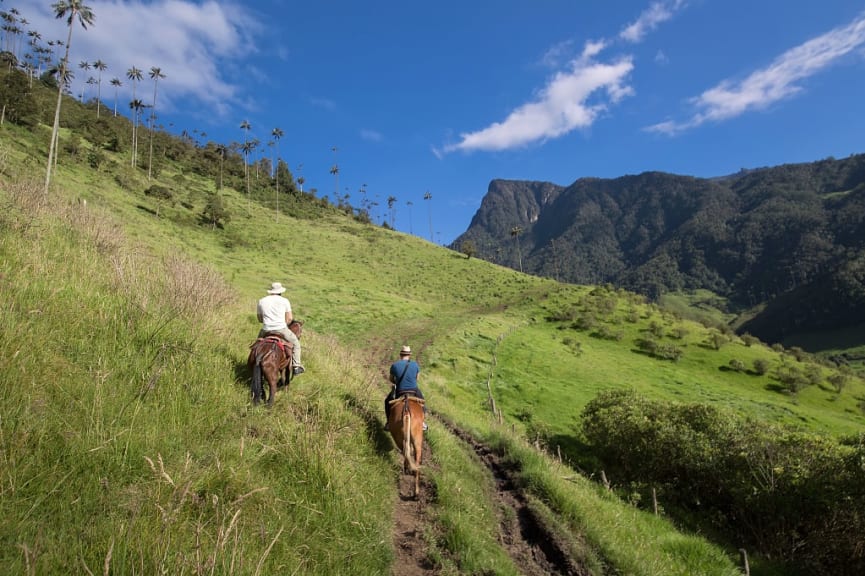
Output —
(128, 440)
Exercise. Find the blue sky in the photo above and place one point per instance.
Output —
(443, 97)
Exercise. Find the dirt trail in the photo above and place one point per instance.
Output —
(410, 556)
(535, 550)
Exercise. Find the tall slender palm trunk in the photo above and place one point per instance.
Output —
(52, 149)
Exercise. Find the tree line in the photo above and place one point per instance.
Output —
(244, 165)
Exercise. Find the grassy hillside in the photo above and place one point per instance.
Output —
(129, 444)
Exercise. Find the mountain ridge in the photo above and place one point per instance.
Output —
(753, 237)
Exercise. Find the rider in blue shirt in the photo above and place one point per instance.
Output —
(403, 375)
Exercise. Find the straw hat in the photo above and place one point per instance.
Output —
(405, 351)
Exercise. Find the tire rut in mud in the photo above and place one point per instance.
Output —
(536, 549)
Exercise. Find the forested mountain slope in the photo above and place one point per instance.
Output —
(789, 237)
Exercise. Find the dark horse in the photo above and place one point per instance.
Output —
(271, 356)
(405, 422)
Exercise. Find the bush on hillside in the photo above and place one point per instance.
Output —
(749, 340)
(795, 496)
(761, 366)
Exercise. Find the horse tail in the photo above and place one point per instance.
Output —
(407, 443)
(257, 391)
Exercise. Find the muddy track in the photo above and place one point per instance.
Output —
(410, 521)
(535, 549)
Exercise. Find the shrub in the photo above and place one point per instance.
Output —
(798, 353)
(813, 374)
(575, 346)
(669, 352)
(749, 340)
(839, 380)
(95, 158)
(647, 345)
(788, 494)
(679, 332)
(607, 333)
(737, 365)
(586, 321)
(215, 214)
(716, 340)
(792, 379)
(761, 366)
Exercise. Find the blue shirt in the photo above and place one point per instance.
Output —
(409, 381)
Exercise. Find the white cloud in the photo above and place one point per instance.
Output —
(193, 43)
(557, 54)
(562, 105)
(371, 135)
(654, 15)
(572, 99)
(324, 103)
(780, 80)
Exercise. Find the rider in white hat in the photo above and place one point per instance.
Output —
(274, 313)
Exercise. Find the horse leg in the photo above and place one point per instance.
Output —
(418, 452)
(256, 384)
(407, 444)
(272, 380)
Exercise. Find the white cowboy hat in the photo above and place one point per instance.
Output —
(405, 350)
(276, 288)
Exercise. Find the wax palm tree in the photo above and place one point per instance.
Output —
(85, 66)
(64, 77)
(35, 37)
(515, 234)
(300, 179)
(277, 133)
(221, 149)
(391, 202)
(69, 9)
(247, 149)
(9, 21)
(20, 35)
(253, 148)
(91, 81)
(155, 75)
(335, 171)
(428, 196)
(135, 106)
(409, 204)
(117, 84)
(134, 74)
(101, 67)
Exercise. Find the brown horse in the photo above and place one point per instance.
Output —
(271, 356)
(405, 422)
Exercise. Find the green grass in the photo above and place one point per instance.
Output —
(128, 440)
